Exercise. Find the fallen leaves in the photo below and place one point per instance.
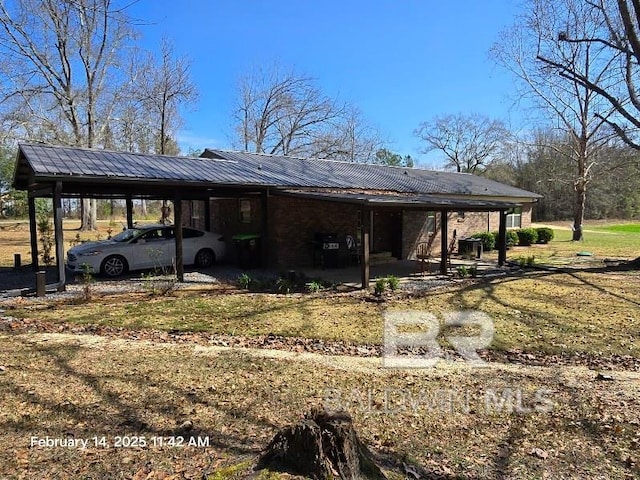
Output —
(538, 452)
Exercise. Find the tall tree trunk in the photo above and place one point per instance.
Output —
(143, 208)
(580, 184)
(93, 218)
(578, 211)
(85, 214)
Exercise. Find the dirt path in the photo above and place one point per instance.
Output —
(367, 365)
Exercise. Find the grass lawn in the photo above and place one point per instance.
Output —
(602, 240)
(453, 421)
(540, 311)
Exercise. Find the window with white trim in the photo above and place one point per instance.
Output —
(430, 225)
(514, 218)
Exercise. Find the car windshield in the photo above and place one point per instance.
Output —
(127, 235)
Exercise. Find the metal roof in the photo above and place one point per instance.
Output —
(421, 201)
(292, 172)
(39, 164)
(49, 162)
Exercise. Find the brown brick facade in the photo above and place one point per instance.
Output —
(292, 223)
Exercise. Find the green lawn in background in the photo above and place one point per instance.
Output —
(603, 241)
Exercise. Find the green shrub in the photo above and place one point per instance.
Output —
(284, 285)
(488, 240)
(244, 281)
(393, 282)
(527, 236)
(473, 271)
(545, 234)
(512, 238)
(314, 286)
(462, 270)
(380, 286)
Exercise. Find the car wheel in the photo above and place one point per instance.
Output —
(205, 258)
(114, 266)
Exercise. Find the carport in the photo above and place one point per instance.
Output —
(46, 171)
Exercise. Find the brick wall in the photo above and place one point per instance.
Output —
(193, 214)
(292, 223)
(464, 224)
(225, 219)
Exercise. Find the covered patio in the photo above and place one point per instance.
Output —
(408, 272)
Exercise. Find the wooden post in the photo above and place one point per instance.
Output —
(207, 214)
(41, 283)
(366, 233)
(177, 217)
(502, 238)
(444, 241)
(129, 203)
(33, 233)
(264, 203)
(57, 224)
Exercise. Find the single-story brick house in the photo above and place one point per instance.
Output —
(289, 202)
(405, 206)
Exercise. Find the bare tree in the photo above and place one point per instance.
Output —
(166, 86)
(616, 39)
(469, 142)
(529, 50)
(284, 113)
(59, 74)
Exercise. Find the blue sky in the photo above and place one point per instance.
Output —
(400, 61)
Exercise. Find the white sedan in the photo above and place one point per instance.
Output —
(145, 247)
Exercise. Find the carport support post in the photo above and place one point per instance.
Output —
(177, 220)
(129, 203)
(444, 241)
(33, 233)
(366, 233)
(264, 227)
(57, 225)
(502, 238)
(207, 214)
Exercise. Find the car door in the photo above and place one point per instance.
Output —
(153, 249)
(190, 244)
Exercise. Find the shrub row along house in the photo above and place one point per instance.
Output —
(301, 209)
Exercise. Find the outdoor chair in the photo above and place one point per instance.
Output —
(423, 253)
(353, 251)
(452, 247)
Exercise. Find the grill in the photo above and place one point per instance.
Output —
(326, 250)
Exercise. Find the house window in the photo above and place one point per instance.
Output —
(196, 213)
(430, 225)
(245, 211)
(514, 218)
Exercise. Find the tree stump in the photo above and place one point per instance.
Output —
(322, 445)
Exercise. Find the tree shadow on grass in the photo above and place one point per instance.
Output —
(120, 407)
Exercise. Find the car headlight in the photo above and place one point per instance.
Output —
(91, 253)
